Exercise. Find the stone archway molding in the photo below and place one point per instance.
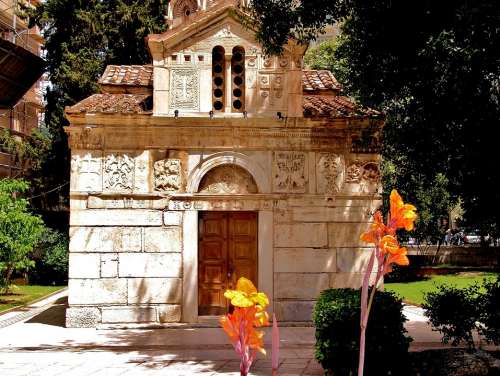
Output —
(225, 158)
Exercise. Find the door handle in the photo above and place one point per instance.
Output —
(229, 271)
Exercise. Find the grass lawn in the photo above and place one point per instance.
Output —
(413, 292)
(21, 295)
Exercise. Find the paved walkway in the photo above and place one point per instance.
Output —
(38, 344)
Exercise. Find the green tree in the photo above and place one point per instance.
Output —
(81, 38)
(433, 67)
(19, 230)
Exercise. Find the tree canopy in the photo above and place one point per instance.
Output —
(19, 230)
(81, 38)
(433, 67)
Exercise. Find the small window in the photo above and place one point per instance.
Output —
(174, 58)
(187, 58)
(218, 78)
(201, 58)
(238, 79)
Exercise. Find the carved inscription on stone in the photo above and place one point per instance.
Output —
(167, 175)
(87, 138)
(359, 171)
(86, 171)
(184, 89)
(289, 172)
(330, 173)
(118, 172)
(227, 179)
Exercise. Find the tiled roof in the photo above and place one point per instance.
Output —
(317, 81)
(328, 106)
(314, 81)
(130, 75)
(113, 103)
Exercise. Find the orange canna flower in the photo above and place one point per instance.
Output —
(399, 257)
(244, 318)
(402, 215)
(389, 244)
(377, 230)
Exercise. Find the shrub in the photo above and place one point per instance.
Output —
(337, 320)
(51, 259)
(453, 312)
(490, 311)
(458, 312)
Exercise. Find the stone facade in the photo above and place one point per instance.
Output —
(140, 177)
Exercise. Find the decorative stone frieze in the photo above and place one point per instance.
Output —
(86, 171)
(228, 179)
(358, 171)
(168, 175)
(118, 172)
(290, 172)
(330, 176)
(184, 89)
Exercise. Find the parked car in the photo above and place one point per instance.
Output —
(474, 237)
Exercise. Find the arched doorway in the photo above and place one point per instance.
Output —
(227, 241)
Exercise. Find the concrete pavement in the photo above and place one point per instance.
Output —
(40, 345)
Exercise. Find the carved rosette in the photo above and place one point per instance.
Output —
(119, 172)
(289, 172)
(167, 175)
(228, 179)
(363, 171)
(330, 173)
(184, 89)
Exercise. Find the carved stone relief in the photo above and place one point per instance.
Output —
(184, 89)
(141, 173)
(359, 171)
(86, 171)
(228, 179)
(330, 173)
(119, 172)
(168, 175)
(86, 138)
(289, 172)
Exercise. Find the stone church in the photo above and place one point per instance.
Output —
(215, 162)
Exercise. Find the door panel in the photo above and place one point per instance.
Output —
(227, 251)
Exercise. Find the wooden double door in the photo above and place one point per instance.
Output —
(227, 250)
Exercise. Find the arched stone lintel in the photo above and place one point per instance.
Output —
(224, 158)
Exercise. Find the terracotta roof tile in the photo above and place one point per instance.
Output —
(130, 75)
(316, 81)
(113, 103)
(335, 107)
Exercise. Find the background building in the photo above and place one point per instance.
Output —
(21, 88)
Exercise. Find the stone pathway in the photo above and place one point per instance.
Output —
(36, 343)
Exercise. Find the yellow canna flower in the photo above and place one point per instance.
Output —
(246, 295)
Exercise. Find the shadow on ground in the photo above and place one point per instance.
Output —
(54, 316)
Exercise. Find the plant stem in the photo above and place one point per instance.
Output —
(364, 306)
